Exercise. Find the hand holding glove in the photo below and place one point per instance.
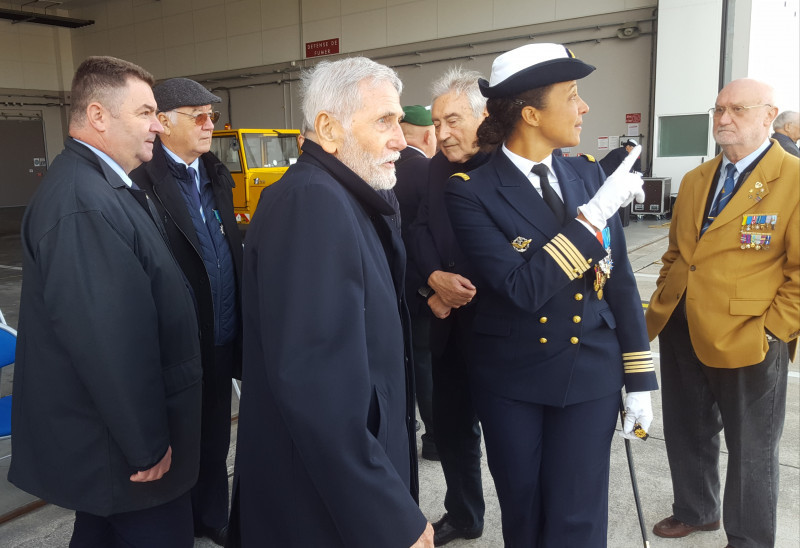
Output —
(638, 409)
(618, 191)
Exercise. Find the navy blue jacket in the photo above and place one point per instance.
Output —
(541, 334)
(108, 358)
(325, 453)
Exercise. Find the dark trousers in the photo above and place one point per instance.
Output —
(550, 467)
(458, 435)
(423, 379)
(749, 404)
(165, 526)
(210, 493)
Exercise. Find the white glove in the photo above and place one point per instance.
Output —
(618, 191)
(638, 409)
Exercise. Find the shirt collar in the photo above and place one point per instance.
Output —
(111, 163)
(747, 160)
(525, 165)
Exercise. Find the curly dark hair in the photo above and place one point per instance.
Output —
(505, 112)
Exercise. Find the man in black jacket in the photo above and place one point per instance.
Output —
(787, 131)
(192, 194)
(411, 189)
(107, 386)
(458, 109)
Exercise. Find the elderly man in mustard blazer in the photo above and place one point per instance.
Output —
(727, 312)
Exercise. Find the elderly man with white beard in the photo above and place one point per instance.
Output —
(326, 453)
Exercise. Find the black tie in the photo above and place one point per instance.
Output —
(550, 196)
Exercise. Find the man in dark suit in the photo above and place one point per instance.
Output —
(613, 159)
(191, 191)
(457, 111)
(107, 387)
(325, 452)
(411, 188)
(787, 131)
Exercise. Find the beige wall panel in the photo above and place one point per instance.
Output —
(39, 76)
(245, 50)
(11, 74)
(243, 17)
(314, 10)
(119, 12)
(459, 17)
(178, 30)
(514, 13)
(153, 62)
(181, 60)
(150, 35)
(9, 43)
(363, 31)
(356, 6)
(209, 23)
(121, 42)
(211, 55)
(176, 7)
(411, 22)
(279, 13)
(148, 11)
(281, 44)
(200, 4)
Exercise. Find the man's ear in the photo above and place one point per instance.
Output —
(166, 122)
(97, 116)
(329, 132)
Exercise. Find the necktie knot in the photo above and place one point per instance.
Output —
(540, 170)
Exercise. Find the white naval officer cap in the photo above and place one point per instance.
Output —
(532, 66)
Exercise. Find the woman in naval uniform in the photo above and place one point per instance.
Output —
(559, 328)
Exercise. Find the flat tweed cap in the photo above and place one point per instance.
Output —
(182, 92)
(532, 66)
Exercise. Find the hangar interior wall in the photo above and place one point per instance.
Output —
(250, 51)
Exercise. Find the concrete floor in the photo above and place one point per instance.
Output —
(51, 526)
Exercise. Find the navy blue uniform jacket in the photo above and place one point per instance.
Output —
(541, 334)
(325, 455)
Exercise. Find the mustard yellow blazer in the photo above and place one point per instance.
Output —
(736, 281)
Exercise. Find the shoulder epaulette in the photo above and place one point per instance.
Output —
(589, 157)
(463, 176)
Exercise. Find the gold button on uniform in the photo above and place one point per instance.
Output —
(576, 319)
(578, 296)
(542, 340)
(574, 340)
(543, 319)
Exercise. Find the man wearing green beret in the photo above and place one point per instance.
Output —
(412, 181)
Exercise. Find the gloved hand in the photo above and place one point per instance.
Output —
(618, 191)
(638, 409)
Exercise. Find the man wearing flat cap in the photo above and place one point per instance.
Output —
(192, 192)
(411, 188)
(558, 327)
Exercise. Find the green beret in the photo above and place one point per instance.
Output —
(417, 115)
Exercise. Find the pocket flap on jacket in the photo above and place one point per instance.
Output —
(749, 307)
(491, 325)
(608, 317)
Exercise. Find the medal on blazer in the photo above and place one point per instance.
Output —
(520, 244)
(602, 270)
(756, 193)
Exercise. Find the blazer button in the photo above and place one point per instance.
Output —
(542, 340)
(576, 319)
(692, 268)
(574, 340)
(578, 296)
(543, 319)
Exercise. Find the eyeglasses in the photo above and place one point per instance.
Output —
(200, 118)
(735, 110)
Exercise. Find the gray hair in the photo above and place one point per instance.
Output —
(786, 117)
(461, 82)
(332, 86)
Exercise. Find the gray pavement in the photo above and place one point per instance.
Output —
(50, 526)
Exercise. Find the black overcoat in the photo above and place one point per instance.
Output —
(325, 454)
(107, 372)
